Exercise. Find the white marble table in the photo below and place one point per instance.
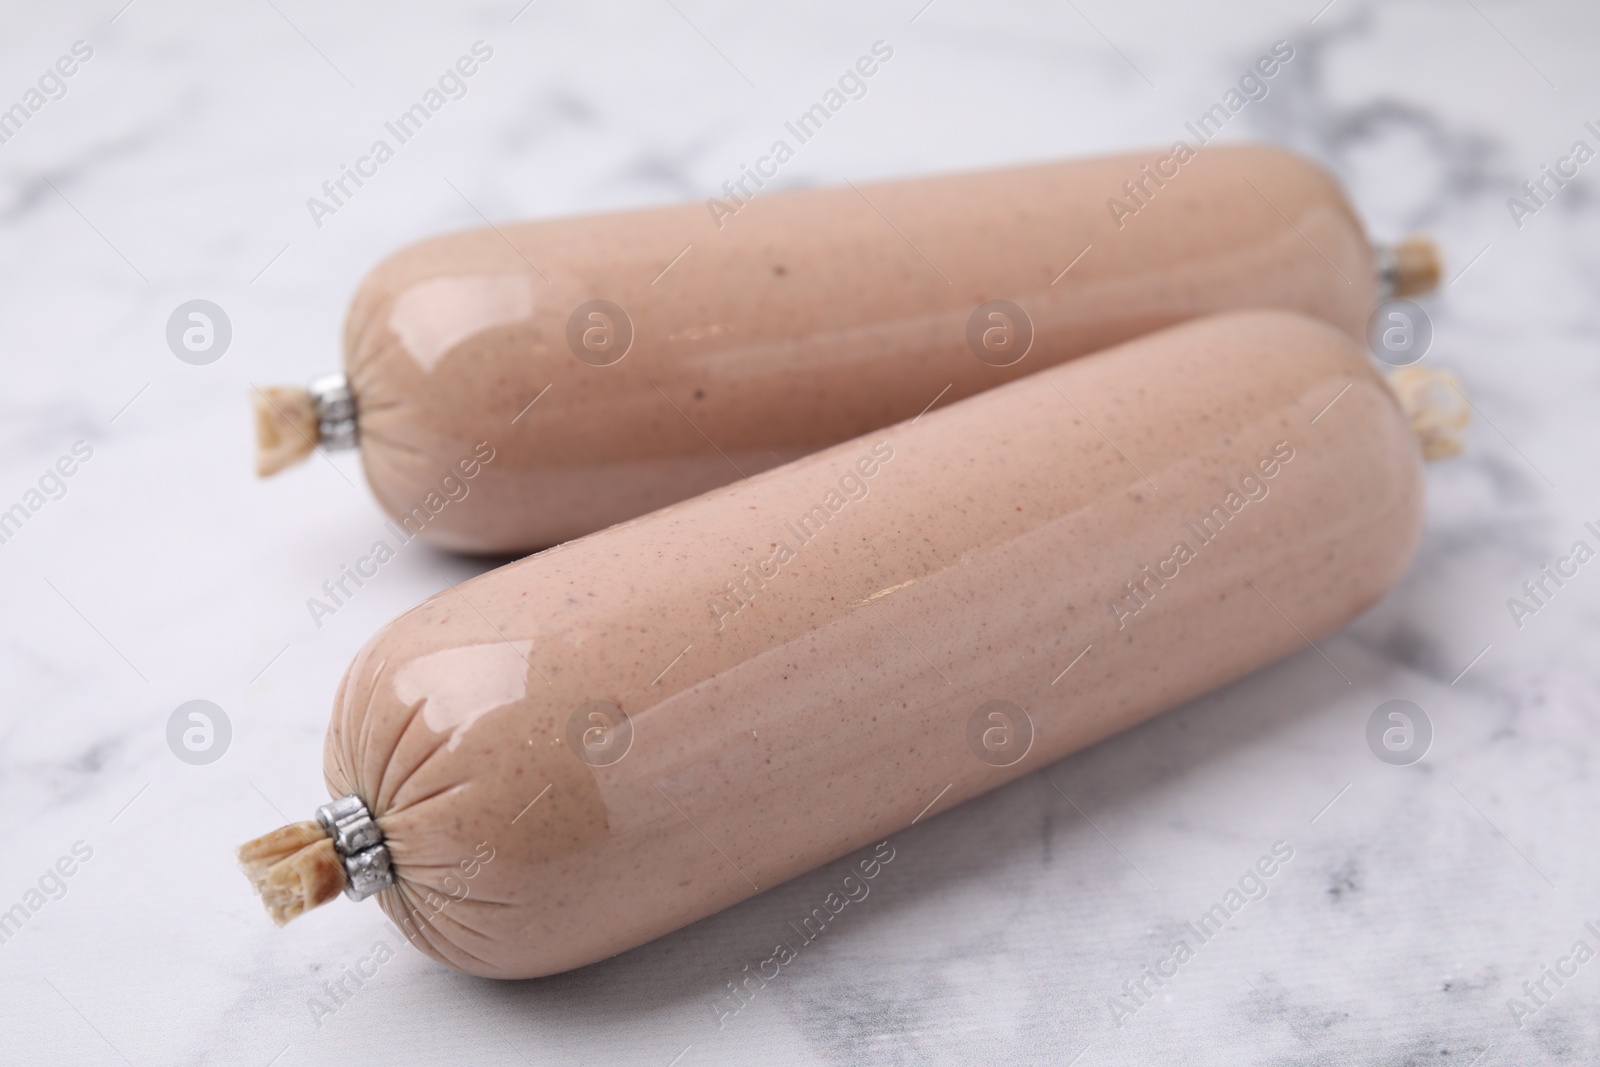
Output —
(176, 164)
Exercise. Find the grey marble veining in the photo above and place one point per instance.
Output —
(1418, 900)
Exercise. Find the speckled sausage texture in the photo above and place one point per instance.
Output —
(806, 319)
(802, 656)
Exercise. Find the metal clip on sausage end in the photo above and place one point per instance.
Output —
(291, 422)
(335, 406)
(358, 840)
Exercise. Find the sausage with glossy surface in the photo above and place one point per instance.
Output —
(648, 724)
(806, 319)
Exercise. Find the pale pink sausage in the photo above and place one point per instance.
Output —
(1168, 505)
(806, 319)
